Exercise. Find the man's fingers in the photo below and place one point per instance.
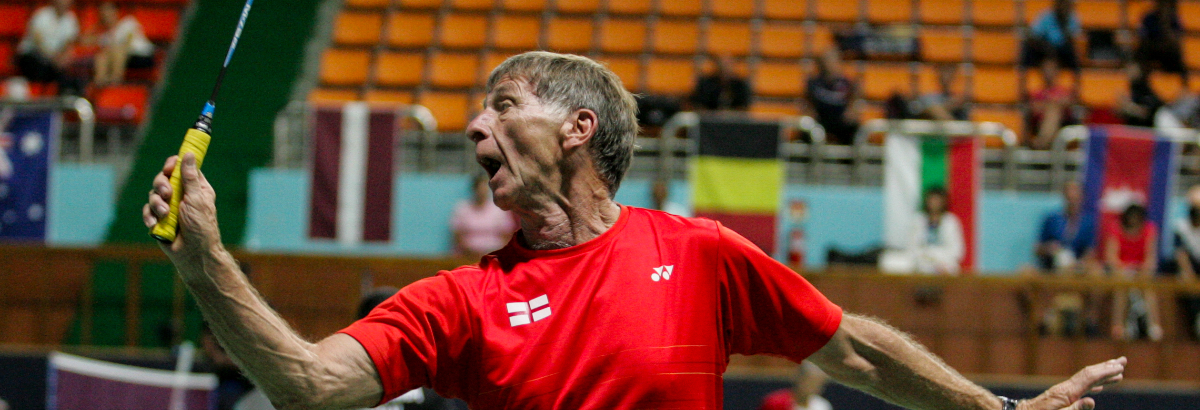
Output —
(1098, 373)
(147, 217)
(189, 173)
(169, 166)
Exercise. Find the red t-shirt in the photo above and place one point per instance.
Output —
(643, 316)
(1131, 250)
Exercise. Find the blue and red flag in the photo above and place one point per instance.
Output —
(27, 139)
(1127, 165)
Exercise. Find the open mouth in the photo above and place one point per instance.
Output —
(491, 165)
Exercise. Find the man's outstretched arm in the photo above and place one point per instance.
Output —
(873, 357)
(295, 373)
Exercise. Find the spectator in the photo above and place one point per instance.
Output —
(944, 104)
(1138, 108)
(479, 225)
(123, 45)
(1066, 237)
(723, 89)
(1050, 108)
(659, 194)
(45, 51)
(1187, 260)
(936, 246)
(1052, 37)
(1130, 249)
(805, 394)
(834, 99)
(1160, 40)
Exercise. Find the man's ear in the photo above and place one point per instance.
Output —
(579, 128)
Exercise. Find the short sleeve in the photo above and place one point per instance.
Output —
(419, 337)
(768, 308)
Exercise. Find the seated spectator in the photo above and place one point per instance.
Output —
(936, 246)
(123, 45)
(1139, 106)
(1130, 249)
(479, 226)
(1050, 108)
(1066, 237)
(1187, 261)
(1160, 40)
(45, 51)
(1052, 35)
(834, 99)
(944, 104)
(722, 89)
(805, 393)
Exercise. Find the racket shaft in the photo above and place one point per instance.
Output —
(195, 142)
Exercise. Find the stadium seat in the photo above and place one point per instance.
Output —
(942, 46)
(1167, 86)
(998, 13)
(1034, 8)
(1189, 10)
(739, 9)
(387, 96)
(332, 95)
(785, 9)
(490, 62)
(516, 32)
(569, 34)
(778, 79)
(7, 51)
(1034, 80)
(1134, 11)
(450, 109)
(367, 4)
(820, 39)
(158, 24)
(357, 28)
(927, 81)
(729, 38)
(344, 67)
(676, 37)
(681, 8)
(420, 4)
(673, 76)
(13, 18)
(774, 107)
(995, 47)
(941, 11)
(121, 103)
(781, 40)
(994, 85)
(465, 31)
(410, 29)
(454, 70)
(1100, 88)
(628, 68)
(577, 6)
(476, 5)
(1191, 52)
(1099, 14)
(622, 35)
(628, 7)
(873, 112)
(880, 81)
(1012, 118)
(89, 18)
(399, 69)
(523, 5)
(888, 11)
(837, 10)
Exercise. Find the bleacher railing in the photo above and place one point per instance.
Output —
(293, 134)
(1074, 134)
(982, 129)
(84, 145)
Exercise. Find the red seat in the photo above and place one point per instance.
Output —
(13, 18)
(158, 24)
(6, 59)
(121, 103)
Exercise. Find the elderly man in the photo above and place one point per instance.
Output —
(592, 305)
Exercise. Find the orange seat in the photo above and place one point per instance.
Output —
(490, 62)
(454, 70)
(410, 29)
(420, 4)
(778, 79)
(629, 7)
(569, 34)
(670, 76)
(121, 103)
(386, 96)
(771, 108)
(514, 32)
(785, 9)
(928, 82)
(1035, 81)
(733, 8)
(158, 24)
(837, 10)
(332, 95)
(1099, 14)
(880, 81)
(449, 108)
(395, 69)
(1012, 118)
(994, 85)
(684, 8)
(358, 29)
(577, 6)
(623, 35)
(1034, 8)
(729, 38)
(1100, 88)
(478, 5)
(888, 11)
(1135, 10)
(523, 5)
(1001, 13)
(781, 40)
(820, 39)
(676, 37)
(1189, 13)
(628, 68)
(344, 67)
(942, 46)
(995, 47)
(1167, 86)
(367, 4)
(463, 31)
(941, 11)
(1191, 52)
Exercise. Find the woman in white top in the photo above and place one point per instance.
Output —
(937, 242)
(46, 48)
(123, 45)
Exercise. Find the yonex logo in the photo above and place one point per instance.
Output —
(662, 273)
(539, 308)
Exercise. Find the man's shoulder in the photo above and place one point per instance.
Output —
(672, 222)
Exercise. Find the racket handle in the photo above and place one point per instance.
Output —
(195, 142)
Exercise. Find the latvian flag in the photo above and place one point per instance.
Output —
(915, 163)
(352, 173)
(737, 177)
(1127, 165)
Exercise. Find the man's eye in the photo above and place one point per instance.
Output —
(503, 105)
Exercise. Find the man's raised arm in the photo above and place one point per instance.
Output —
(875, 358)
(293, 372)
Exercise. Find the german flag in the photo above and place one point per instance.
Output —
(737, 177)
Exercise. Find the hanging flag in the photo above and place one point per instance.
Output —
(351, 192)
(915, 163)
(1127, 165)
(737, 177)
(27, 139)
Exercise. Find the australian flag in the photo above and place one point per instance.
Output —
(27, 139)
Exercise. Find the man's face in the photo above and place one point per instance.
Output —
(518, 142)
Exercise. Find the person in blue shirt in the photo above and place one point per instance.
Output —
(1066, 236)
(1052, 35)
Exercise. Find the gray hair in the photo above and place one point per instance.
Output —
(569, 82)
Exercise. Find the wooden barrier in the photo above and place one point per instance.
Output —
(979, 325)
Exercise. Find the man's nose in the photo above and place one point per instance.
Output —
(476, 129)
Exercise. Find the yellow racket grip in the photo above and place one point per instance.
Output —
(195, 142)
